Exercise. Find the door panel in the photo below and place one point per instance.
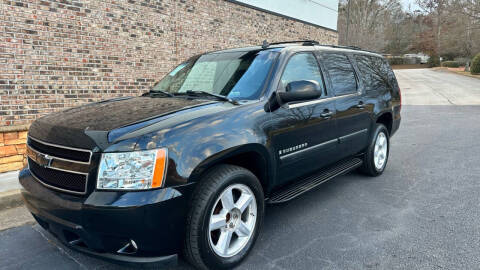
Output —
(353, 119)
(304, 135)
(304, 138)
(353, 123)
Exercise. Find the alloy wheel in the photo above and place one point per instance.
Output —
(380, 151)
(232, 220)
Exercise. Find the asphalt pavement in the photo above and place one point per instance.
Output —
(422, 213)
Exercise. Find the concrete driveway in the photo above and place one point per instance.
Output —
(427, 87)
(422, 213)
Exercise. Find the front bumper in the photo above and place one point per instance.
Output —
(103, 222)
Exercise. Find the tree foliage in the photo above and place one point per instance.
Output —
(475, 68)
(452, 64)
(434, 61)
(448, 28)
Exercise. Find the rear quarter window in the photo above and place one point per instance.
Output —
(341, 73)
(376, 73)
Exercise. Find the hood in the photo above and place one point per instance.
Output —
(88, 126)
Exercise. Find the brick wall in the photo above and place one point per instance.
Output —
(56, 54)
(12, 148)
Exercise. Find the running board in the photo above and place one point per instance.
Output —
(299, 187)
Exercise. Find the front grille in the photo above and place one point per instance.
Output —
(61, 152)
(59, 179)
(59, 167)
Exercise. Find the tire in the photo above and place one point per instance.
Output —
(371, 166)
(203, 248)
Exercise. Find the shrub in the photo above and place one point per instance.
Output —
(396, 61)
(434, 61)
(448, 56)
(475, 67)
(452, 64)
(462, 60)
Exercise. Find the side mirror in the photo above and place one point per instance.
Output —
(300, 90)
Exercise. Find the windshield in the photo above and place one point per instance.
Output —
(236, 75)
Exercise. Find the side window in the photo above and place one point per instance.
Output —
(302, 66)
(341, 73)
(392, 80)
(375, 73)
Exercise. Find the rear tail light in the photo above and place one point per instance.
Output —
(400, 95)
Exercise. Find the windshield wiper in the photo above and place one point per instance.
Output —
(205, 93)
(157, 92)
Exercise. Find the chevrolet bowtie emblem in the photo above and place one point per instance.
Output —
(46, 160)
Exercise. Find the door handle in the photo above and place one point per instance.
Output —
(360, 105)
(326, 114)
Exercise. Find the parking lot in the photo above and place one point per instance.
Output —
(422, 213)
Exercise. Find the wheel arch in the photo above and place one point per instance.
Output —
(385, 118)
(253, 157)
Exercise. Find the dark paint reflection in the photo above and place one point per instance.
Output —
(200, 138)
(68, 127)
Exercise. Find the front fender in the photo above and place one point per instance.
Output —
(227, 154)
(195, 143)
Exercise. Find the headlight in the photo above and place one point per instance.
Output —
(132, 170)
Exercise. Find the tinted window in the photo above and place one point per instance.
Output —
(341, 73)
(302, 66)
(238, 75)
(376, 74)
(392, 80)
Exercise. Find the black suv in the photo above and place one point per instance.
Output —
(188, 167)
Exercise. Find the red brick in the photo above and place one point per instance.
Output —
(15, 141)
(11, 166)
(8, 150)
(117, 56)
(22, 134)
(10, 136)
(11, 159)
(21, 148)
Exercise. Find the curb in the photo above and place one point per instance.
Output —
(10, 199)
(457, 72)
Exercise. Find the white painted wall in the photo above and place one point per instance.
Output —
(319, 12)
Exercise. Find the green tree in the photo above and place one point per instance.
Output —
(475, 68)
(434, 61)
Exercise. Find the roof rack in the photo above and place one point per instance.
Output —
(304, 43)
(346, 47)
(313, 43)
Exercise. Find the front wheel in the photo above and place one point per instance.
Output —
(225, 218)
(376, 156)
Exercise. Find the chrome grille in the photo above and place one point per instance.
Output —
(59, 167)
(61, 180)
(64, 152)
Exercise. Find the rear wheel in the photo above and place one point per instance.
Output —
(225, 218)
(376, 156)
